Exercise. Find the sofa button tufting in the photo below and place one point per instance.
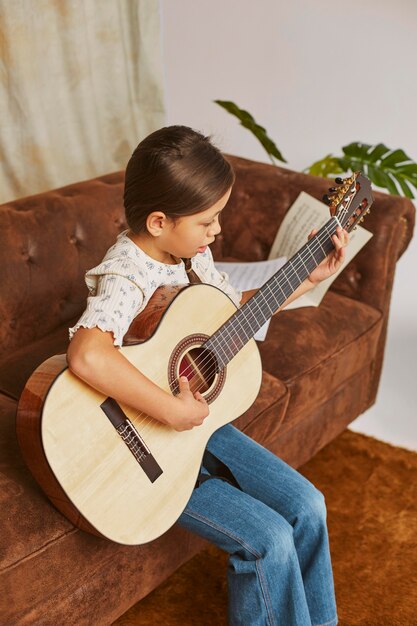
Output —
(27, 257)
(74, 239)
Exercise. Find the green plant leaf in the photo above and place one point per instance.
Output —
(326, 167)
(356, 149)
(258, 131)
(395, 158)
(382, 179)
(389, 169)
(409, 170)
(405, 188)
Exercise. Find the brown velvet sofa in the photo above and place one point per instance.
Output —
(321, 370)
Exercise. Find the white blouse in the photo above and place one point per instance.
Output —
(122, 284)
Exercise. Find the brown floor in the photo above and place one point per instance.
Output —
(371, 495)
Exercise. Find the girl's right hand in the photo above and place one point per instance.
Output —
(194, 408)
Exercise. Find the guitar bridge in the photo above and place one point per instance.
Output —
(132, 439)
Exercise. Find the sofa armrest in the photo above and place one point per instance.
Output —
(370, 274)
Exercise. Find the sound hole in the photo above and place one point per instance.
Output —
(199, 366)
(191, 359)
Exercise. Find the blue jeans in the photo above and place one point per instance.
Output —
(279, 569)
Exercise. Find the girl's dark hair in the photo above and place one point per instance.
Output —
(175, 170)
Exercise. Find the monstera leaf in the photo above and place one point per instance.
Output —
(391, 169)
(258, 131)
(329, 166)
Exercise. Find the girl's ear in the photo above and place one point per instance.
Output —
(155, 222)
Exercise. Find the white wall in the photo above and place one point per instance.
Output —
(317, 75)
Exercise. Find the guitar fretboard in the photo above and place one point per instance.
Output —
(230, 338)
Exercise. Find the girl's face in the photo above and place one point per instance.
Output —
(190, 234)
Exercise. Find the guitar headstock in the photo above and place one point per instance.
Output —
(351, 200)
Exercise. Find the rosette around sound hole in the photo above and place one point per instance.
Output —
(191, 359)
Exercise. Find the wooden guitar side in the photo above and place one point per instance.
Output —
(28, 430)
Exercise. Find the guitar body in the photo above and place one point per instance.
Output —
(82, 462)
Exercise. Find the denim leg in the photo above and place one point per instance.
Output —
(279, 570)
(264, 581)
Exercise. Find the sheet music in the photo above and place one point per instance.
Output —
(305, 214)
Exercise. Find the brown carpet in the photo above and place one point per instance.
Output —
(371, 495)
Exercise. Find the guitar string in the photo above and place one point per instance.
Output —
(326, 233)
(279, 285)
(327, 229)
(324, 236)
(153, 421)
(245, 320)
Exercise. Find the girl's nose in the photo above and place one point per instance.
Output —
(215, 229)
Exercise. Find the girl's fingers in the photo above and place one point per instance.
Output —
(336, 242)
(341, 238)
(199, 397)
(183, 384)
(340, 234)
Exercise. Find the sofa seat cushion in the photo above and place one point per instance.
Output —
(266, 414)
(314, 350)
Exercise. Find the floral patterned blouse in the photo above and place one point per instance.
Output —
(122, 284)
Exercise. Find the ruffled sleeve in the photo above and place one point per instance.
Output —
(118, 292)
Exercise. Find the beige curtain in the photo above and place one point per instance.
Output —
(80, 85)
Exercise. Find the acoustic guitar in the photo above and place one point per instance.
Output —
(118, 473)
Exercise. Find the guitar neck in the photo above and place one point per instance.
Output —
(230, 338)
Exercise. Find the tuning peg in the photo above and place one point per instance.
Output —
(332, 189)
(338, 180)
(326, 199)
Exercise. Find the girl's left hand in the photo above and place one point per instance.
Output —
(334, 260)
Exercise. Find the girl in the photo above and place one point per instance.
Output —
(274, 527)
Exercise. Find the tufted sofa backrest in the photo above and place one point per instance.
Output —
(47, 242)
